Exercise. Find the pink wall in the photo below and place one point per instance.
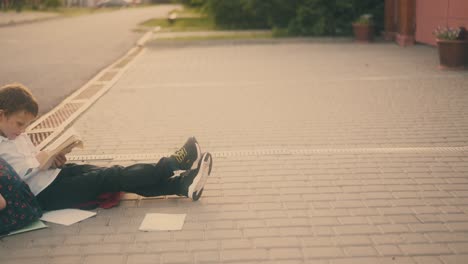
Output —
(432, 13)
(458, 13)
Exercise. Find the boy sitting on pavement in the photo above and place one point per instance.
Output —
(66, 185)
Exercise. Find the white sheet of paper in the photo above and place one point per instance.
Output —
(160, 222)
(67, 216)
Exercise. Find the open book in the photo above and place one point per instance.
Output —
(63, 145)
(33, 226)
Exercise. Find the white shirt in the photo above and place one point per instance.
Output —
(20, 153)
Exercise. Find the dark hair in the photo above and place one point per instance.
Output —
(16, 97)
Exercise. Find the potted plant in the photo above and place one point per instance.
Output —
(452, 44)
(363, 28)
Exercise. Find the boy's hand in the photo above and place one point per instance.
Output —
(59, 160)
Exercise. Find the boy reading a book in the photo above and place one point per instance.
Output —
(66, 185)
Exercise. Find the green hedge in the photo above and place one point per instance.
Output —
(294, 17)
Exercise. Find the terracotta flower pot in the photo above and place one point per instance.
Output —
(453, 54)
(363, 32)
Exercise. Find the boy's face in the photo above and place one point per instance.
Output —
(11, 126)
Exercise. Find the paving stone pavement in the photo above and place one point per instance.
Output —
(328, 206)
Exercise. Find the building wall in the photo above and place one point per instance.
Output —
(433, 13)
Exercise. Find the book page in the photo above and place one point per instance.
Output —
(33, 226)
(63, 144)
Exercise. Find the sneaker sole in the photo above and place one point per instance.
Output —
(199, 154)
(204, 170)
(201, 184)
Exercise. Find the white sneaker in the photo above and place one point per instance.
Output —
(194, 180)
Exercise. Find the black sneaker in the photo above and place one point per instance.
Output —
(193, 181)
(188, 156)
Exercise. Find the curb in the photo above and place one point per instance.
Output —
(277, 152)
(173, 42)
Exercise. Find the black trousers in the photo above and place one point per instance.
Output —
(77, 184)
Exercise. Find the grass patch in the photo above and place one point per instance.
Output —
(188, 19)
(182, 24)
